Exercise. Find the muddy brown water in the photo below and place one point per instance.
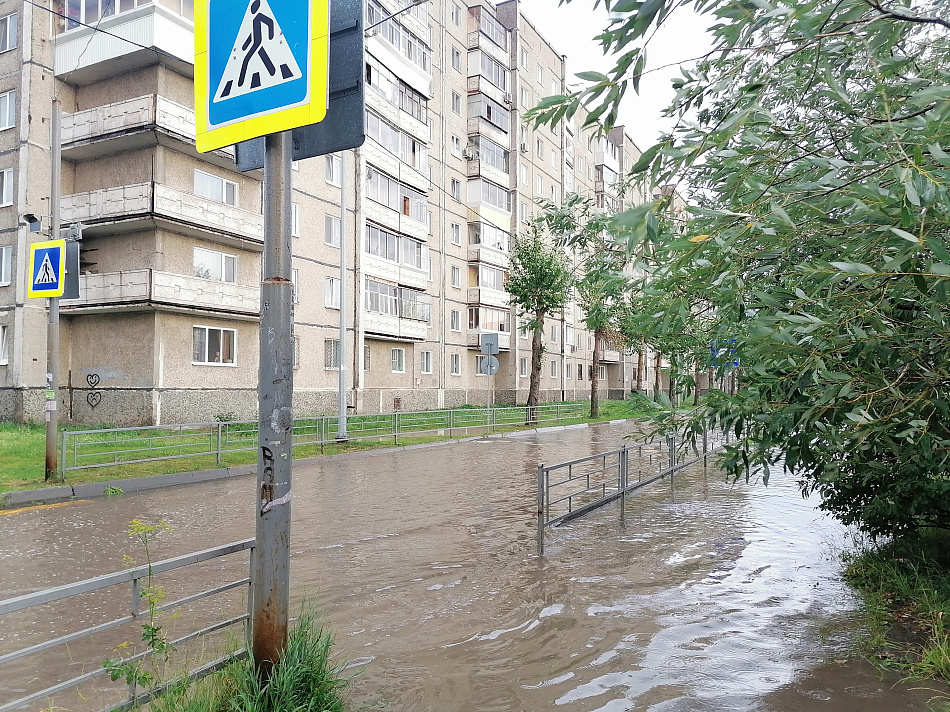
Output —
(707, 596)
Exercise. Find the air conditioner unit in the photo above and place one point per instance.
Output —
(468, 155)
(508, 100)
(524, 146)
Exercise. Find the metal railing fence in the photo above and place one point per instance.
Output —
(577, 487)
(136, 577)
(88, 449)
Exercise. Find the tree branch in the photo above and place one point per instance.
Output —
(908, 18)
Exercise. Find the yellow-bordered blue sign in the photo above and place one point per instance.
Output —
(260, 68)
(47, 269)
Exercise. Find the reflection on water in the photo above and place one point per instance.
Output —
(707, 596)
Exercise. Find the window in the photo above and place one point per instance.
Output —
(524, 96)
(524, 212)
(6, 266)
(553, 159)
(602, 373)
(456, 277)
(523, 173)
(523, 367)
(490, 110)
(399, 360)
(366, 357)
(554, 194)
(494, 194)
(213, 346)
(554, 333)
(487, 276)
(568, 370)
(331, 354)
(456, 231)
(494, 71)
(488, 319)
(396, 92)
(481, 365)
(455, 190)
(554, 92)
(215, 188)
(456, 15)
(580, 372)
(406, 43)
(8, 32)
(295, 165)
(455, 365)
(333, 228)
(539, 147)
(553, 369)
(456, 147)
(331, 293)
(4, 348)
(294, 220)
(456, 103)
(540, 75)
(395, 248)
(538, 185)
(415, 305)
(210, 264)
(382, 298)
(431, 270)
(491, 153)
(295, 282)
(8, 110)
(455, 320)
(393, 194)
(425, 362)
(486, 234)
(524, 58)
(456, 59)
(334, 169)
(491, 28)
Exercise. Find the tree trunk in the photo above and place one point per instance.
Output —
(697, 373)
(642, 367)
(595, 373)
(657, 381)
(537, 351)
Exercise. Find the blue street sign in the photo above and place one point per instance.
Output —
(47, 269)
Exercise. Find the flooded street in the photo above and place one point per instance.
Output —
(708, 596)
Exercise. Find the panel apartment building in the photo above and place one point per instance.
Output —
(166, 329)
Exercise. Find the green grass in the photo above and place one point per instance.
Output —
(22, 447)
(906, 590)
(304, 681)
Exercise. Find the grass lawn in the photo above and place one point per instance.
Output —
(22, 447)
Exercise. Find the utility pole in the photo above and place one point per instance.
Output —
(271, 588)
(341, 434)
(52, 328)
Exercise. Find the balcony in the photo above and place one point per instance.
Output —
(388, 326)
(134, 123)
(478, 40)
(405, 275)
(126, 41)
(143, 205)
(475, 340)
(476, 125)
(146, 289)
(490, 255)
(475, 168)
(488, 297)
(478, 83)
(390, 163)
(610, 356)
(402, 67)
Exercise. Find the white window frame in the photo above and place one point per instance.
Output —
(539, 185)
(540, 75)
(456, 59)
(331, 292)
(455, 230)
(524, 58)
(209, 329)
(455, 190)
(224, 258)
(8, 32)
(456, 15)
(425, 362)
(456, 103)
(4, 344)
(328, 363)
(225, 184)
(455, 320)
(455, 365)
(523, 367)
(568, 370)
(456, 278)
(334, 169)
(523, 173)
(398, 360)
(294, 220)
(539, 149)
(456, 146)
(6, 187)
(479, 360)
(333, 228)
(602, 373)
(8, 110)
(295, 281)
(554, 369)
(554, 331)
(524, 96)
(6, 265)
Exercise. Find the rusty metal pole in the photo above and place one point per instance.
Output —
(275, 438)
(52, 328)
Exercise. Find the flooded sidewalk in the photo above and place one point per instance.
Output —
(707, 596)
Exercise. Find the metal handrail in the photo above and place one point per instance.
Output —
(97, 583)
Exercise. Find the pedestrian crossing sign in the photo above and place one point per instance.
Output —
(47, 269)
(260, 68)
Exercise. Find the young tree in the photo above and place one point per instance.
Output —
(538, 284)
(819, 161)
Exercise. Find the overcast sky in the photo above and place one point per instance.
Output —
(571, 29)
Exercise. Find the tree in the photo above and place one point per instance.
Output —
(601, 287)
(819, 169)
(538, 284)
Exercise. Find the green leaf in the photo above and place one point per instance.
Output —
(592, 77)
(853, 267)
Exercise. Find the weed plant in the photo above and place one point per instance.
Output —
(906, 589)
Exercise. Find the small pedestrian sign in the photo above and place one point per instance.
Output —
(47, 269)
(260, 68)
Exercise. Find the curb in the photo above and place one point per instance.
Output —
(52, 495)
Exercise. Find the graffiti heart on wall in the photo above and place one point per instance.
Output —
(93, 398)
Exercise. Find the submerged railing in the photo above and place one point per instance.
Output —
(574, 488)
(136, 578)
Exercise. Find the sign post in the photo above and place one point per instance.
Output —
(261, 70)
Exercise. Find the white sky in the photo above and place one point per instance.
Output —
(571, 29)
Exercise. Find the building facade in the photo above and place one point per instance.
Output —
(166, 329)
